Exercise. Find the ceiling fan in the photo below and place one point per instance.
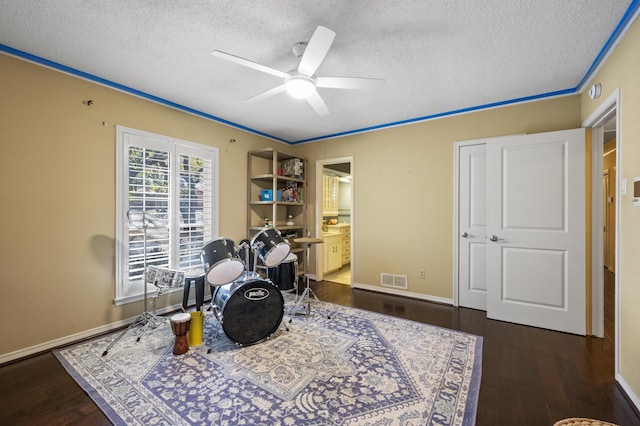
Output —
(302, 82)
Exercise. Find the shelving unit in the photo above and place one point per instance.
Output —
(265, 173)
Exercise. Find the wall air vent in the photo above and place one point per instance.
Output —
(394, 281)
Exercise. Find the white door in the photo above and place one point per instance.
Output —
(536, 230)
(472, 224)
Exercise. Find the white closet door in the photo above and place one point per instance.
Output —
(536, 230)
(472, 225)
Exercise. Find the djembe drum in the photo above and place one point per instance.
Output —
(180, 327)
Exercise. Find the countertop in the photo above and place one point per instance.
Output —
(334, 229)
(339, 225)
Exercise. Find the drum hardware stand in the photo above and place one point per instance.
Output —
(149, 223)
(217, 325)
(259, 245)
(305, 297)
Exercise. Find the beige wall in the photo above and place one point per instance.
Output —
(57, 164)
(403, 188)
(58, 171)
(621, 71)
(57, 167)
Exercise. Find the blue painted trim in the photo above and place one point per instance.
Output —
(86, 76)
(613, 38)
(442, 114)
(631, 10)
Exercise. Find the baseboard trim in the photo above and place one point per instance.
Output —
(633, 398)
(72, 338)
(86, 334)
(396, 292)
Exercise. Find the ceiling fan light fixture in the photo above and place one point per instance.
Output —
(300, 87)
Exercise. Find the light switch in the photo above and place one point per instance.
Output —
(623, 186)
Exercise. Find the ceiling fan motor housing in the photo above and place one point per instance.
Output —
(300, 86)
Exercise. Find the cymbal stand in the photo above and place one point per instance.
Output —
(305, 297)
(146, 318)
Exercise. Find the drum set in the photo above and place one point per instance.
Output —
(248, 307)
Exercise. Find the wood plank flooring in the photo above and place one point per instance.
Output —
(530, 376)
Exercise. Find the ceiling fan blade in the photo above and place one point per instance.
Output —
(247, 63)
(348, 82)
(316, 50)
(318, 104)
(266, 94)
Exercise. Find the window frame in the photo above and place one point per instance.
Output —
(127, 291)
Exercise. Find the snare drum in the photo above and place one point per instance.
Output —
(249, 311)
(164, 278)
(180, 328)
(270, 247)
(219, 262)
(284, 276)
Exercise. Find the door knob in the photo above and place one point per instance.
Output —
(493, 238)
(465, 235)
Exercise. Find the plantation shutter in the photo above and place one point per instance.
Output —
(195, 201)
(169, 187)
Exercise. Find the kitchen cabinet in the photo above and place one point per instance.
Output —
(344, 230)
(330, 194)
(332, 252)
(346, 245)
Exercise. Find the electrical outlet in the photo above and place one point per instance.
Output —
(422, 274)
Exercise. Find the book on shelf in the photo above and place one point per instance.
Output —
(290, 193)
(293, 167)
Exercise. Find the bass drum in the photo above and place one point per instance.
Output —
(249, 311)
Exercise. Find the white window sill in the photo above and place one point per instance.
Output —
(139, 295)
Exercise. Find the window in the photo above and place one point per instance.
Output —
(166, 206)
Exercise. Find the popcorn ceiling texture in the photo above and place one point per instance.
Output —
(436, 56)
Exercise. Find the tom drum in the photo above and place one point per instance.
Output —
(270, 247)
(219, 262)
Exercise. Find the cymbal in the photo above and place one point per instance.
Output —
(308, 240)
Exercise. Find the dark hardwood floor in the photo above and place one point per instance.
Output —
(609, 309)
(529, 376)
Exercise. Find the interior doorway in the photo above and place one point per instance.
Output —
(334, 183)
(605, 124)
(609, 179)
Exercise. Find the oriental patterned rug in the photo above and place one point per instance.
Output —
(356, 368)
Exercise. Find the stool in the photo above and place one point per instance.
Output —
(198, 283)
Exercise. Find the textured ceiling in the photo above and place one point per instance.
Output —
(436, 56)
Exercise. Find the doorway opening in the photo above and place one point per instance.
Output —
(606, 187)
(609, 234)
(334, 181)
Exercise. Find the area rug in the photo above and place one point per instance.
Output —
(354, 368)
